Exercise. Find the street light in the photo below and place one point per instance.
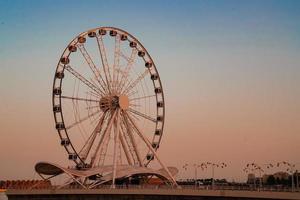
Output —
(196, 166)
(213, 166)
(185, 166)
(297, 180)
(254, 167)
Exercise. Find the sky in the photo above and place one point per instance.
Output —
(230, 72)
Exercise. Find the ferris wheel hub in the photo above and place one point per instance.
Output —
(123, 102)
(114, 102)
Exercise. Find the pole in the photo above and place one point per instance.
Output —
(293, 186)
(116, 145)
(297, 181)
(260, 181)
(195, 175)
(254, 181)
(213, 176)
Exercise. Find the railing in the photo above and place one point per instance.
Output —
(181, 187)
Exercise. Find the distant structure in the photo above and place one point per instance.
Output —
(276, 176)
(281, 175)
(109, 110)
(25, 184)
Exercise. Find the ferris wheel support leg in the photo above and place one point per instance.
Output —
(116, 144)
(88, 146)
(152, 150)
(105, 135)
(131, 136)
(129, 143)
(125, 148)
(76, 179)
(71, 179)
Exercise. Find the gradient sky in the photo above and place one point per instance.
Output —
(230, 72)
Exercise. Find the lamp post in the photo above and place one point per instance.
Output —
(213, 166)
(185, 166)
(253, 167)
(297, 180)
(196, 166)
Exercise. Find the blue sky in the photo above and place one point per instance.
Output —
(230, 70)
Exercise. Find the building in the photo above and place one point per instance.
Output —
(265, 178)
(251, 178)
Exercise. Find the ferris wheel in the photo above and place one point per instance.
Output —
(108, 104)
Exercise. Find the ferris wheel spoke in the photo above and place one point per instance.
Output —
(76, 115)
(84, 80)
(116, 61)
(82, 120)
(134, 105)
(144, 97)
(92, 107)
(124, 56)
(130, 62)
(135, 116)
(132, 84)
(148, 143)
(132, 93)
(91, 93)
(132, 139)
(80, 99)
(94, 121)
(92, 66)
(104, 61)
(142, 115)
(104, 137)
(85, 150)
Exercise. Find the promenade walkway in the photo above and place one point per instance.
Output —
(161, 193)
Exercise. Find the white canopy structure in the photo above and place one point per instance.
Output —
(80, 176)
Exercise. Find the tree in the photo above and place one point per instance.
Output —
(278, 181)
(271, 180)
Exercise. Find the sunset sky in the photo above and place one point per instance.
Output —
(230, 72)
